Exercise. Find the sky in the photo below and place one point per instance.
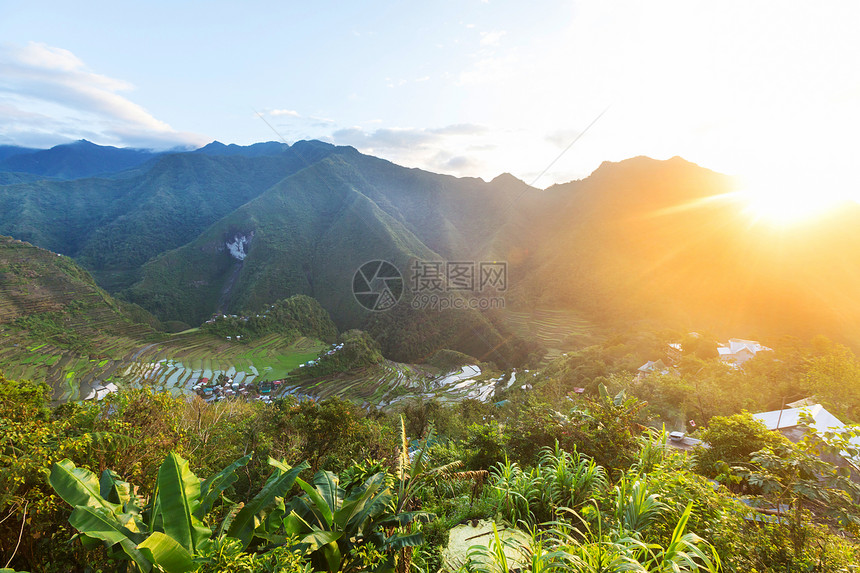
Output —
(545, 90)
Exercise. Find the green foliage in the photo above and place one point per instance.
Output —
(566, 548)
(227, 554)
(165, 533)
(359, 350)
(636, 508)
(517, 491)
(296, 316)
(833, 372)
(606, 428)
(486, 444)
(53, 299)
(568, 480)
(561, 482)
(245, 523)
(732, 440)
(329, 433)
(23, 401)
(603, 494)
(336, 523)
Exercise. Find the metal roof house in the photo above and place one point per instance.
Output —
(738, 350)
(651, 366)
(787, 422)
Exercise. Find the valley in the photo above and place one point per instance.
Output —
(175, 238)
(246, 335)
(468, 287)
(178, 362)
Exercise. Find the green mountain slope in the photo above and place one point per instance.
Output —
(305, 235)
(309, 234)
(113, 226)
(57, 326)
(231, 228)
(47, 299)
(639, 240)
(668, 241)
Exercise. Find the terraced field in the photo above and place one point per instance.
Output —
(558, 330)
(388, 383)
(56, 325)
(172, 364)
(177, 363)
(181, 361)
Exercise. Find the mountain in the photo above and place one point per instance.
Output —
(229, 228)
(7, 151)
(217, 148)
(309, 234)
(638, 240)
(12, 178)
(668, 241)
(113, 226)
(75, 160)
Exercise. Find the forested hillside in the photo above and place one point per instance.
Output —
(230, 228)
(113, 226)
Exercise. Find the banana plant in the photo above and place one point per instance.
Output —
(168, 534)
(332, 523)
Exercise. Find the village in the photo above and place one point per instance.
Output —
(223, 386)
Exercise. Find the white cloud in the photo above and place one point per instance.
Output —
(492, 38)
(466, 150)
(289, 112)
(54, 91)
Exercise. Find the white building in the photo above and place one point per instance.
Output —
(787, 422)
(738, 350)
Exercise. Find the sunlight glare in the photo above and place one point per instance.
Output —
(786, 200)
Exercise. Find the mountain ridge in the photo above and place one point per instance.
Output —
(639, 239)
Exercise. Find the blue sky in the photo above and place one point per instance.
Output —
(471, 88)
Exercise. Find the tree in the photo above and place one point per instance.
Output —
(731, 440)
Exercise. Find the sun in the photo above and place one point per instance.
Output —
(784, 201)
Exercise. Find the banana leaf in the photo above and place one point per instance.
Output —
(254, 512)
(78, 486)
(358, 499)
(322, 509)
(114, 490)
(178, 499)
(318, 539)
(400, 540)
(102, 524)
(213, 487)
(165, 552)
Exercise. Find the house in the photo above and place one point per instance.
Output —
(649, 367)
(787, 422)
(738, 350)
(675, 352)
